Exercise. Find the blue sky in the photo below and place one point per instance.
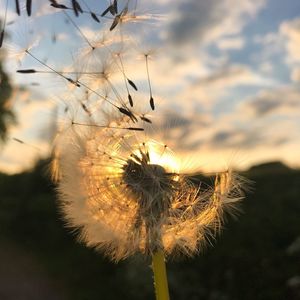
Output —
(227, 71)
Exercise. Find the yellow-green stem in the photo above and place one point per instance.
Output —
(160, 276)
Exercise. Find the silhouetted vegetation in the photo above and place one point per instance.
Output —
(6, 115)
(254, 258)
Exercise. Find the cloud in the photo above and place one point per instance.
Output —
(220, 84)
(232, 43)
(206, 21)
(16, 157)
(266, 67)
(291, 31)
(232, 75)
(30, 139)
(295, 76)
(180, 131)
(270, 38)
(246, 138)
(243, 141)
(271, 48)
(282, 46)
(282, 101)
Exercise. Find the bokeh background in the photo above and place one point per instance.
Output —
(225, 75)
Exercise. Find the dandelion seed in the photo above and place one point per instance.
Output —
(135, 17)
(152, 103)
(84, 107)
(110, 127)
(115, 6)
(106, 11)
(26, 71)
(128, 113)
(130, 100)
(1, 37)
(26, 144)
(115, 22)
(149, 83)
(72, 81)
(135, 128)
(18, 140)
(53, 38)
(126, 79)
(4, 23)
(94, 16)
(18, 7)
(48, 67)
(143, 118)
(60, 6)
(132, 84)
(28, 7)
(119, 17)
(76, 7)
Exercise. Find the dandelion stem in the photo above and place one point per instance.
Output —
(160, 276)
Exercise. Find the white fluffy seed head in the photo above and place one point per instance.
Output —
(125, 193)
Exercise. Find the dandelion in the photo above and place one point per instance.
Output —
(126, 193)
(120, 186)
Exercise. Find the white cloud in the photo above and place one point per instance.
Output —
(207, 90)
(16, 157)
(282, 46)
(233, 75)
(295, 76)
(30, 139)
(291, 31)
(270, 38)
(231, 43)
(266, 67)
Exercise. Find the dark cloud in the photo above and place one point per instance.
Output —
(222, 137)
(203, 20)
(229, 75)
(264, 105)
(176, 120)
(245, 139)
(279, 100)
(280, 141)
(194, 18)
(185, 130)
(238, 138)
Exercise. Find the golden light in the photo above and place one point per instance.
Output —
(160, 154)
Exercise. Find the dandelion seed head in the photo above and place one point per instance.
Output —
(120, 184)
(126, 193)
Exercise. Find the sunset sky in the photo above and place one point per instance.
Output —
(225, 75)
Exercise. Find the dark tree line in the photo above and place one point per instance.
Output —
(6, 115)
